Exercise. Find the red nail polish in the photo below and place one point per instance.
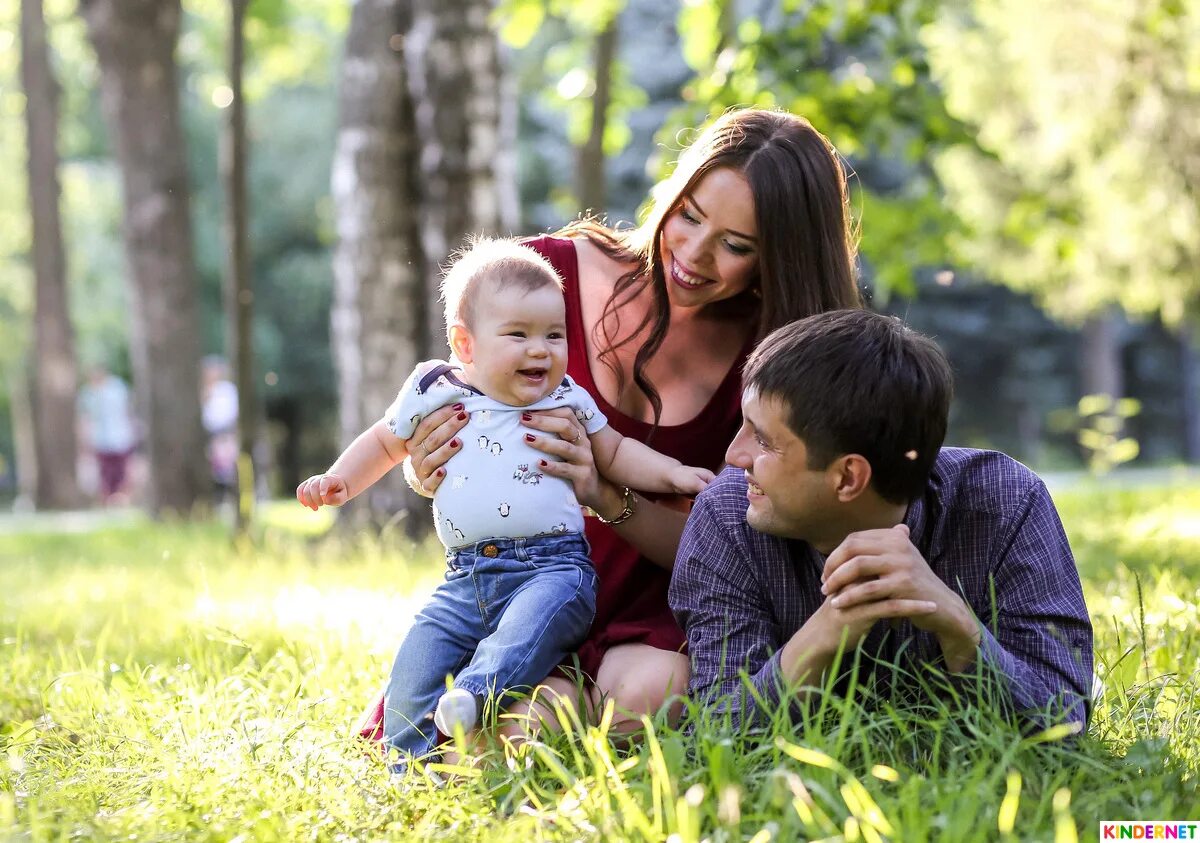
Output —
(441, 472)
(542, 463)
(528, 437)
(454, 443)
(458, 407)
(462, 416)
(526, 417)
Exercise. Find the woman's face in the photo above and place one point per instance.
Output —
(709, 245)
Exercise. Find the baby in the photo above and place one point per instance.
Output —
(520, 591)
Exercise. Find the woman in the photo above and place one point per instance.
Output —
(750, 232)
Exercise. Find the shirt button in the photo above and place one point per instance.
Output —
(490, 551)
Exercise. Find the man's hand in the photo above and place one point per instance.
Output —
(883, 566)
(323, 490)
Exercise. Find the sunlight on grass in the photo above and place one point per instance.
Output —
(163, 683)
(288, 516)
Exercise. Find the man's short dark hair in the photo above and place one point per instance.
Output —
(856, 382)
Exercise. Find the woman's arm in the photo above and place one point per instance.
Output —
(654, 529)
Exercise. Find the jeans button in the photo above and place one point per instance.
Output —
(490, 551)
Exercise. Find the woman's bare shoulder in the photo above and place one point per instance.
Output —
(595, 263)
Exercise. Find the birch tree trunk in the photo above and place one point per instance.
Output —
(378, 320)
(423, 158)
(135, 44)
(54, 370)
(462, 111)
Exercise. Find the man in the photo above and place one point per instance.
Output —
(841, 522)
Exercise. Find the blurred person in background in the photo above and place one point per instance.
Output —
(108, 432)
(219, 412)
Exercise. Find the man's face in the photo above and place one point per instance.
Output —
(786, 497)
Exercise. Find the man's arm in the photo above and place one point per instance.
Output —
(721, 607)
(1040, 637)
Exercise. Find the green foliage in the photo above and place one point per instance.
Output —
(566, 79)
(1084, 186)
(1099, 424)
(287, 43)
(161, 682)
(857, 71)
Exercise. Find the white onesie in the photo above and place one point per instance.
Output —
(493, 488)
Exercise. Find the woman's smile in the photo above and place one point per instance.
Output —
(683, 277)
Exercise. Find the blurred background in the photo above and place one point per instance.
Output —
(222, 222)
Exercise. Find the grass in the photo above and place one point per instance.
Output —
(157, 682)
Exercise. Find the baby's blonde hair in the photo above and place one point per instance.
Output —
(503, 262)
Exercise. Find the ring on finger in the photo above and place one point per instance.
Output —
(425, 448)
(577, 435)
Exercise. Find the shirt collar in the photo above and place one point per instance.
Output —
(921, 526)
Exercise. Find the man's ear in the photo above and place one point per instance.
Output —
(460, 342)
(851, 476)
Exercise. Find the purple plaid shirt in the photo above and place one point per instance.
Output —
(985, 524)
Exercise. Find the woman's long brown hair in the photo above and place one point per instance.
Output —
(806, 254)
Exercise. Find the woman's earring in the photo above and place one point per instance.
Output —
(756, 291)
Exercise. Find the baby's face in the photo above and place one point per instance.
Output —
(519, 344)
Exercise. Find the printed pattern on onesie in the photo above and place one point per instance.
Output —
(493, 487)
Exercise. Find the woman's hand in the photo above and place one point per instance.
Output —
(432, 444)
(569, 442)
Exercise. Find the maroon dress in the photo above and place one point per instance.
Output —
(631, 604)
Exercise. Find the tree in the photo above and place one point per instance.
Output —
(420, 163)
(584, 78)
(238, 282)
(379, 322)
(593, 193)
(54, 371)
(464, 132)
(1084, 186)
(135, 45)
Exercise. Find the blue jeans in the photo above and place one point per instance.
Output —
(508, 613)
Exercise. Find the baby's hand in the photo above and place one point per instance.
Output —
(322, 489)
(690, 480)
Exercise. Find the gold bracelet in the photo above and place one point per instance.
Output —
(630, 501)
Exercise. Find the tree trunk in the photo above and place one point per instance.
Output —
(24, 446)
(378, 319)
(135, 44)
(239, 286)
(54, 371)
(593, 193)
(419, 164)
(456, 85)
(1189, 384)
(1100, 372)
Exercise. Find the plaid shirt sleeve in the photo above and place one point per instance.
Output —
(1039, 636)
(720, 605)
